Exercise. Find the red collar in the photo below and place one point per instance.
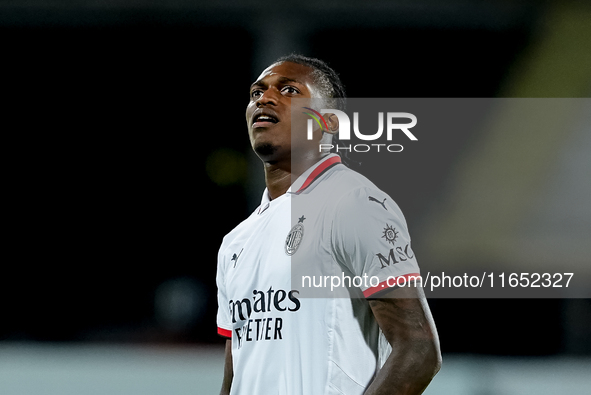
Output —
(309, 177)
(319, 170)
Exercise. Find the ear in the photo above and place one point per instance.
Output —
(332, 121)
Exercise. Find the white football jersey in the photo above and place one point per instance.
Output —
(293, 331)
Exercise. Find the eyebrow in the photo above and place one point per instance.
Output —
(281, 79)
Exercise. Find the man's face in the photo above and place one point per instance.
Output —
(268, 115)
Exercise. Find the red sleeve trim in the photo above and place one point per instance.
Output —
(224, 332)
(391, 282)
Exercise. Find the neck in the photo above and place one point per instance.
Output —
(279, 175)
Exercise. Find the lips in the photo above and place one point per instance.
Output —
(264, 118)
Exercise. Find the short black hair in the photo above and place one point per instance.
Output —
(326, 79)
(330, 85)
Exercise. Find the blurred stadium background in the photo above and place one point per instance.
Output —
(129, 161)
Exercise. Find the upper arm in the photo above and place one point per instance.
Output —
(404, 317)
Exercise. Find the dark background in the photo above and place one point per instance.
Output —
(114, 113)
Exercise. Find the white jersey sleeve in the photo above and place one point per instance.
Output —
(224, 320)
(370, 238)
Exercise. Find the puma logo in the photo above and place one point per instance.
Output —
(383, 202)
(235, 257)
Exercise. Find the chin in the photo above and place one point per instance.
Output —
(265, 150)
(272, 153)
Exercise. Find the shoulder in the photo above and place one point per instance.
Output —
(361, 210)
(350, 178)
(240, 230)
(357, 192)
(343, 181)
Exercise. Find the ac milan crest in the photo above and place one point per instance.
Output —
(294, 237)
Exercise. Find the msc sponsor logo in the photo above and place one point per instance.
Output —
(390, 234)
(395, 255)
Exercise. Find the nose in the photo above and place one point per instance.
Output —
(269, 97)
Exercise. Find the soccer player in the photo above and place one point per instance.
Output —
(382, 339)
